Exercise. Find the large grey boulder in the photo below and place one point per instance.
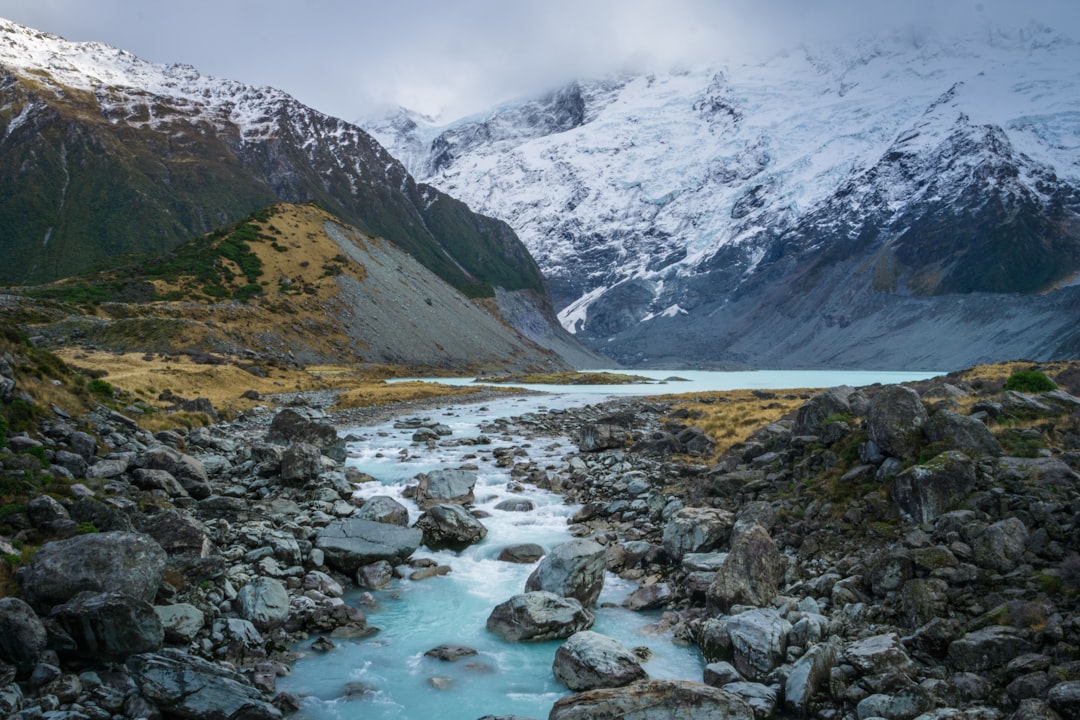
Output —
(1001, 546)
(538, 616)
(750, 574)
(595, 437)
(186, 686)
(447, 486)
(895, 420)
(926, 491)
(110, 626)
(188, 471)
(573, 569)
(962, 432)
(988, 648)
(589, 660)
(264, 601)
(384, 509)
(813, 413)
(754, 641)
(178, 533)
(879, 654)
(289, 426)
(450, 527)
(181, 622)
(22, 634)
(653, 700)
(808, 675)
(301, 463)
(350, 543)
(697, 530)
(127, 563)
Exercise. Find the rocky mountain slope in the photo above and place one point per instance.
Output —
(102, 153)
(904, 201)
(291, 283)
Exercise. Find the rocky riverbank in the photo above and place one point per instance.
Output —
(877, 554)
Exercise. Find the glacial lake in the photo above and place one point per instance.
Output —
(387, 676)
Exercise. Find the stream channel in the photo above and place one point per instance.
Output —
(386, 675)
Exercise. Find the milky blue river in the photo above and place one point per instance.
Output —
(389, 675)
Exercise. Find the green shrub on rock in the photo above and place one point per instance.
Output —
(1029, 381)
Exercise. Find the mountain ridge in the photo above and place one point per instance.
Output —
(942, 168)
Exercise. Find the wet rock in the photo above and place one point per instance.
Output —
(190, 687)
(524, 553)
(573, 569)
(589, 660)
(649, 597)
(697, 530)
(751, 572)
(348, 544)
(451, 486)
(450, 527)
(926, 491)
(449, 652)
(895, 419)
(375, 576)
(384, 509)
(263, 601)
(128, 563)
(22, 634)
(109, 626)
(516, 505)
(538, 616)
(653, 700)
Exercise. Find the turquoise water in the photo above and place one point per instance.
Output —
(415, 616)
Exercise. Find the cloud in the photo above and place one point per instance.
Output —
(351, 58)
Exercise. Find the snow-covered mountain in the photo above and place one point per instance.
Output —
(845, 199)
(102, 153)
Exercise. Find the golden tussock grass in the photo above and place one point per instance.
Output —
(730, 416)
(386, 393)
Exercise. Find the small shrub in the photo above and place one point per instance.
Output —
(100, 387)
(86, 528)
(38, 451)
(1029, 381)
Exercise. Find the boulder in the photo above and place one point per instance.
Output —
(384, 509)
(178, 533)
(649, 597)
(879, 654)
(263, 601)
(524, 553)
(516, 505)
(926, 491)
(163, 480)
(301, 463)
(895, 419)
(754, 641)
(812, 414)
(1065, 699)
(450, 527)
(181, 622)
(1001, 546)
(986, 649)
(188, 471)
(289, 426)
(573, 569)
(448, 486)
(761, 698)
(750, 574)
(538, 616)
(350, 543)
(962, 432)
(653, 700)
(110, 626)
(594, 437)
(189, 687)
(589, 660)
(127, 563)
(697, 530)
(808, 675)
(22, 634)
(375, 576)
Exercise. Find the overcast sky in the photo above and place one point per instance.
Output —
(350, 58)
